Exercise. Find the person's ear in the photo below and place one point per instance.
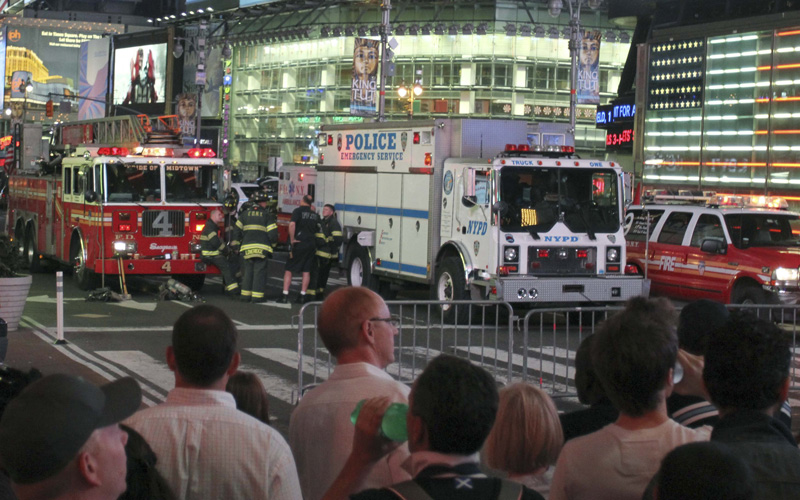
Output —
(88, 467)
(367, 333)
(235, 360)
(784, 390)
(171, 362)
(417, 433)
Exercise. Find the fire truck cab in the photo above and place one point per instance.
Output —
(113, 204)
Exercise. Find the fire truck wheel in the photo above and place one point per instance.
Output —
(749, 294)
(359, 272)
(31, 255)
(193, 281)
(451, 285)
(19, 239)
(84, 277)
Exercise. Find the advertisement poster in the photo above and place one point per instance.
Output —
(363, 95)
(213, 84)
(140, 75)
(588, 68)
(187, 113)
(50, 54)
(93, 79)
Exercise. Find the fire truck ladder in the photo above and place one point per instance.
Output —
(124, 131)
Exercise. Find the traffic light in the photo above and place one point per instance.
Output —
(49, 108)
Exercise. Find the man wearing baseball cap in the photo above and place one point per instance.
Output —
(60, 438)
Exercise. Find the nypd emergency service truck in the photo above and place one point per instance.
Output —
(464, 206)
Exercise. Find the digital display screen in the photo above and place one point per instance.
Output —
(619, 139)
(140, 75)
(610, 114)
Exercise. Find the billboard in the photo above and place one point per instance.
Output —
(49, 52)
(140, 75)
(588, 91)
(93, 79)
(366, 54)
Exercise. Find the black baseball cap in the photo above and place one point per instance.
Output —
(46, 426)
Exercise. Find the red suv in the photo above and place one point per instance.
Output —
(728, 254)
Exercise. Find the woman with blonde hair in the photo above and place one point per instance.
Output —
(526, 438)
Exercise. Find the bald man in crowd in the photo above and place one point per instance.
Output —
(355, 325)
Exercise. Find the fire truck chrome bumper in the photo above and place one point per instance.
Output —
(569, 290)
(156, 267)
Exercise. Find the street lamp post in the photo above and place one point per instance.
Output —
(405, 93)
(554, 8)
(386, 8)
(28, 88)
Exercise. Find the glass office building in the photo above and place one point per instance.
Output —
(721, 111)
(501, 62)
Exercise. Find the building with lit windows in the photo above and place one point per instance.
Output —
(291, 73)
(720, 105)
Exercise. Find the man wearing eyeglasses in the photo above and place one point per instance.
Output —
(355, 325)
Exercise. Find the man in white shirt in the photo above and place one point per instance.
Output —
(633, 354)
(206, 448)
(355, 325)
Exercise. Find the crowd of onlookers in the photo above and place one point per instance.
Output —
(689, 407)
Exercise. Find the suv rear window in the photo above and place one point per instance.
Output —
(636, 224)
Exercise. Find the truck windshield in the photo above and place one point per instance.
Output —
(195, 183)
(763, 229)
(534, 199)
(132, 183)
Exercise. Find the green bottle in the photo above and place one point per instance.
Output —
(393, 424)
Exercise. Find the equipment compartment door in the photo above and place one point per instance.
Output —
(415, 250)
(361, 196)
(387, 234)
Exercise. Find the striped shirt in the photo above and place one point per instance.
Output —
(207, 449)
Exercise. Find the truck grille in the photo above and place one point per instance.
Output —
(561, 261)
(163, 223)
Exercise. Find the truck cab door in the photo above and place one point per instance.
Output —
(707, 279)
(668, 255)
(474, 215)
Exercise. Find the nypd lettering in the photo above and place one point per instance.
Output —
(477, 227)
(563, 239)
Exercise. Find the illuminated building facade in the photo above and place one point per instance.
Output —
(721, 111)
(497, 61)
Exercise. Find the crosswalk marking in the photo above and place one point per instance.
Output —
(159, 374)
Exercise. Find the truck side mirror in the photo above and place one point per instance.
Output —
(500, 207)
(90, 196)
(469, 200)
(713, 246)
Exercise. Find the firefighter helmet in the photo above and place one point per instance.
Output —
(259, 196)
(229, 204)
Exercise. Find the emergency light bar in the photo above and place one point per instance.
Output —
(158, 152)
(720, 200)
(201, 153)
(115, 151)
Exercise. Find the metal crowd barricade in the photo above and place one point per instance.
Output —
(423, 336)
(560, 332)
(539, 348)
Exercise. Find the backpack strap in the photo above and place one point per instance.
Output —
(409, 490)
(509, 490)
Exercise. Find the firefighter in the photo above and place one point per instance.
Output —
(229, 205)
(215, 252)
(257, 232)
(329, 239)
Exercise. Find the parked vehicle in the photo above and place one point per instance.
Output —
(467, 209)
(731, 249)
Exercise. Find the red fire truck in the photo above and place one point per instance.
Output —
(121, 197)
